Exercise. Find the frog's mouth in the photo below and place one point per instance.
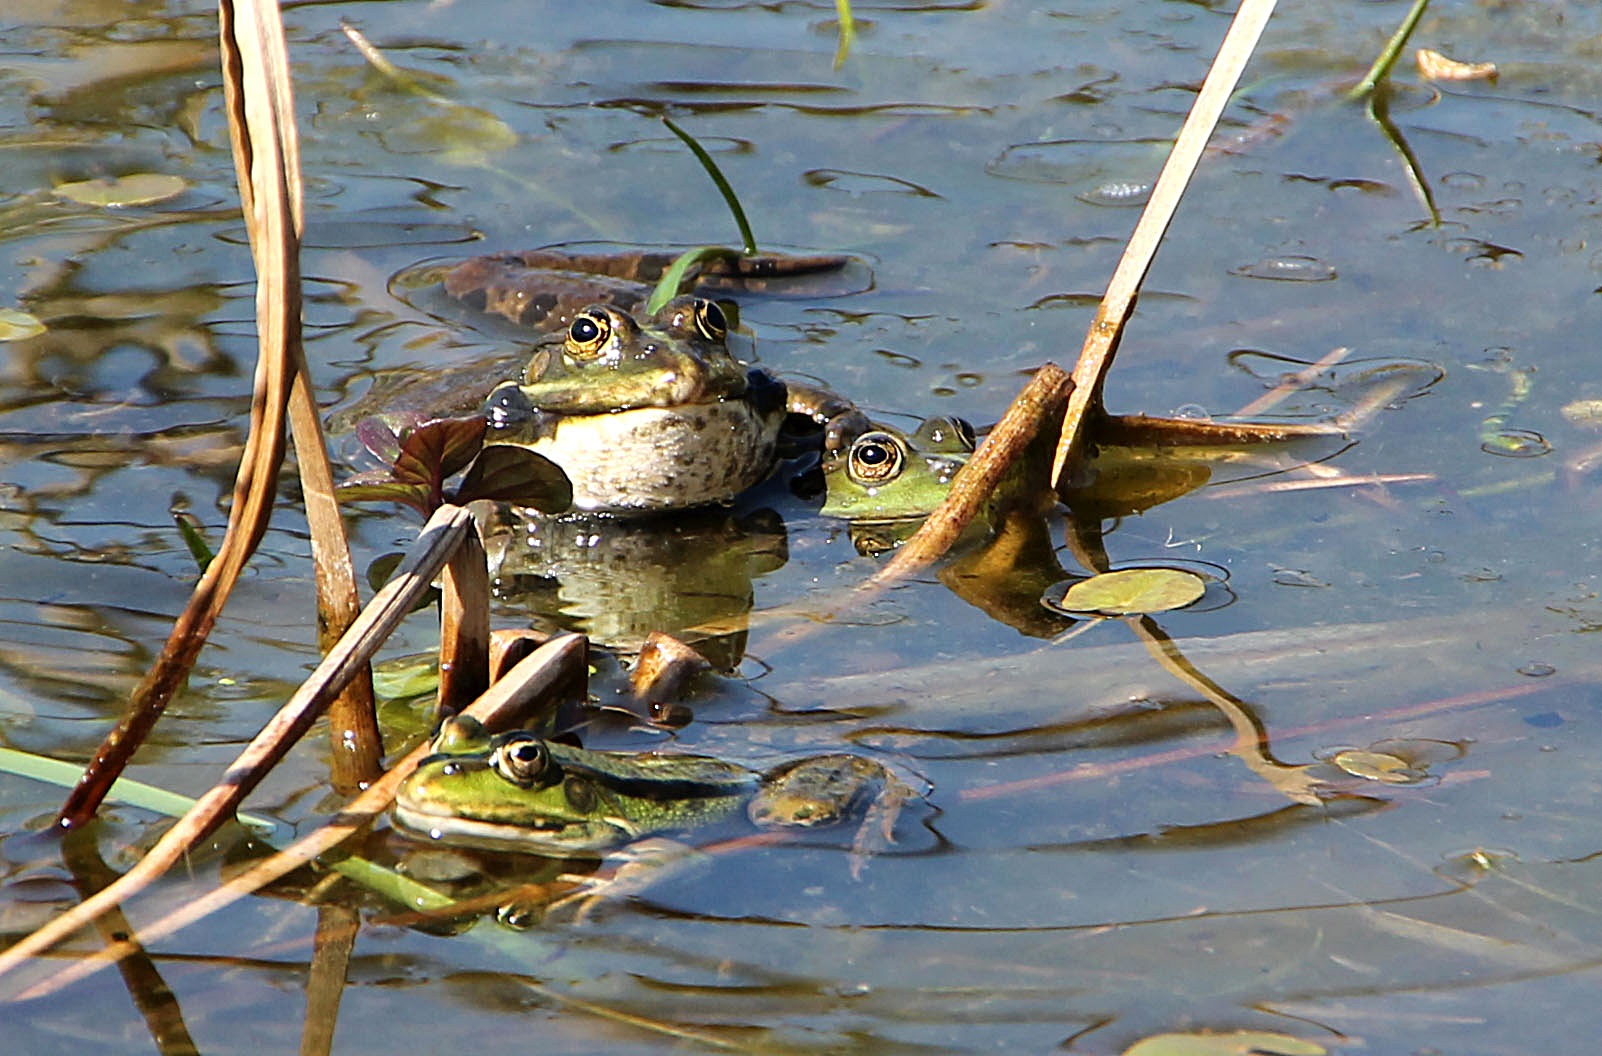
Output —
(538, 835)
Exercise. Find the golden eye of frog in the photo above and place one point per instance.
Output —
(644, 416)
(516, 791)
(888, 475)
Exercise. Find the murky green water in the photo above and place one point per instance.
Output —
(1092, 866)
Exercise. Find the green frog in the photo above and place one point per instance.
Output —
(887, 475)
(653, 414)
(516, 791)
(643, 415)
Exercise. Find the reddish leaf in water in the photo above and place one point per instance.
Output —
(380, 438)
(379, 486)
(425, 456)
(515, 474)
(435, 450)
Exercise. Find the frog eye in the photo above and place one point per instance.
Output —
(588, 334)
(710, 320)
(522, 760)
(875, 458)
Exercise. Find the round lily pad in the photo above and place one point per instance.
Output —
(1132, 592)
(140, 188)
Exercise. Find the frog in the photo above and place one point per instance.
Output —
(655, 413)
(886, 475)
(517, 791)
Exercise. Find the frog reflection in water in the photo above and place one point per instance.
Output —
(653, 415)
(518, 792)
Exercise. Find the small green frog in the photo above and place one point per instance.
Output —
(516, 791)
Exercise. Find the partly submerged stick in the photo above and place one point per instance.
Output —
(977, 479)
(438, 541)
(553, 665)
(1095, 357)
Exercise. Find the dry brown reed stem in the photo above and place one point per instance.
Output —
(261, 125)
(464, 627)
(555, 666)
(665, 665)
(1101, 343)
(510, 647)
(244, 48)
(439, 539)
(355, 743)
(1037, 404)
(1293, 383)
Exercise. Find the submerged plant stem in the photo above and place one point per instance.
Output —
(438, 541)
(1035, 406)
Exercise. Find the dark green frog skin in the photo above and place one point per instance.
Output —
(646, 415)
(518, 792)
(887, 475)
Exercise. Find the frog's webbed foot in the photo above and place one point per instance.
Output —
(627, 873)
(878, 828)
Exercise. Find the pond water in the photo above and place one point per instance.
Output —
(1091, 865)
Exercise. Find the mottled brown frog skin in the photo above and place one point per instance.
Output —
(643, 416)
(545, 289)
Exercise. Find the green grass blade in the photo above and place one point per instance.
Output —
(1393, 51)
(199, 549)
(681, 274)
(713, 171)
(848, 31)
(401, 889)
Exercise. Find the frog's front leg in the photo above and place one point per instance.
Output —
(842, 422)
(824, 789)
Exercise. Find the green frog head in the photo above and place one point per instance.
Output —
(606, 361)
(888, 475)
(516, 791)
(643, 416)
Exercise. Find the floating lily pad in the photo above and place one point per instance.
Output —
(1132, 592)
(1392, 762)
(1231, 1043)
(141, 188)
(18, 326)
(1377, 766)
